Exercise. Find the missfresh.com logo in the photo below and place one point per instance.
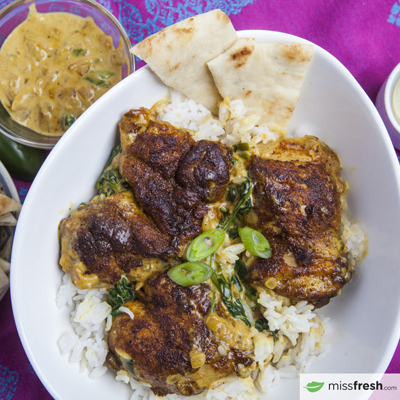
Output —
(314, 386)
(349, 386)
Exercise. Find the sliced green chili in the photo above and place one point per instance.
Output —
(205, 244)
(190, 273)
(255, 242)
(243, 146)
(245, 155)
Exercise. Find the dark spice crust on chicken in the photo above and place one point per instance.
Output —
(205, 171)
(166, 332)
(176, 206)
(176, 212)
(158, 144)
(297, 189)
(104, 240)
(109, 237)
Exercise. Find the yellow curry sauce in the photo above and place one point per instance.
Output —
(54, 66)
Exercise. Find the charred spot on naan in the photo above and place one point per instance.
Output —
(179, 55)
(294, 52)
(240, 56)
(257, 72)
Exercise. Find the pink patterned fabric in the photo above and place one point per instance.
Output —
(363, 35)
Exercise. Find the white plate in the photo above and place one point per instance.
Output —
(8, 188)
(333, 107)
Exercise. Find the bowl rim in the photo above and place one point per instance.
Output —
(388, 95)
(395, 334)
(124, 36)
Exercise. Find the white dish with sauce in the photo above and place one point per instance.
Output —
(388, 105)
(332, 106)
(56, 62)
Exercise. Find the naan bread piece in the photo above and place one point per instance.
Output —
(266, 76)
(4, 282)
(179, 54)
(8, 205)
(8, 220)
(5, 266)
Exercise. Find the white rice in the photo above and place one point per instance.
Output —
(354, 240)
(233, 126)
(126, 310)
(86, 342)
(299, 344)
(300, 341)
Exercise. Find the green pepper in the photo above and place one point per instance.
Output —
(243, 146)
(205, 244)
(194, 273)
(255, 242)
(22, 162)
(245, 155)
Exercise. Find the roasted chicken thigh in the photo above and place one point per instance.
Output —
(167, 344)
(157, 216)
(180, 339)
(297, 200)
(108, 238)
(160, 152)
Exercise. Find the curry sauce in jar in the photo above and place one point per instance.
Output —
(54, 66)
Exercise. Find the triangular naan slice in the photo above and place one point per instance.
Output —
(266, 76)
(5, 266)
(4, 281)
(8, 205)
(179, 54)
(3, 291)
(8, 220)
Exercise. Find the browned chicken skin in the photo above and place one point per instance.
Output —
(168, 342)
(205, 170)
(108, 238)
(156, 143)
(201, 171)
(175, 212)
(172, 341)
(297, 190)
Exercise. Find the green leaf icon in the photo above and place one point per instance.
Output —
(314, 386)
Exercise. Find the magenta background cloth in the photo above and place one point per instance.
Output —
(363, 35)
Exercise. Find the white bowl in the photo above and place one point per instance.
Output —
(332, 106)
(385, 107)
